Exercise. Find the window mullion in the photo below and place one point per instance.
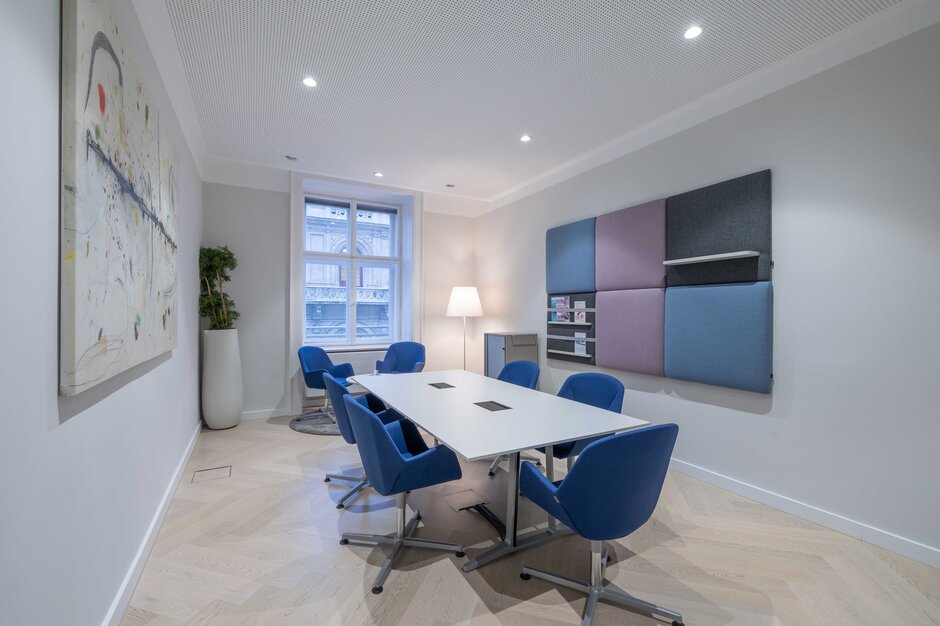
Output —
(353, 271)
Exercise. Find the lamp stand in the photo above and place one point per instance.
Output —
(465, 343)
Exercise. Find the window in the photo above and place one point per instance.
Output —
(352, 272)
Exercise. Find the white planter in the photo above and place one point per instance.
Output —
(222, 397)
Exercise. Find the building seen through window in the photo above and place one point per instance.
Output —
(352, 269)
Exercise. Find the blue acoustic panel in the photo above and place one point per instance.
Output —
(730, 216)
(569, 257)
(721, 335)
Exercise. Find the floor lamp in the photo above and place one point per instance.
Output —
(464, 302)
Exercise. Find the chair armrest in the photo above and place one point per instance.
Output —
(343, 370)
(313, 379)
(419, 367)
(540, 490)
(432, 467)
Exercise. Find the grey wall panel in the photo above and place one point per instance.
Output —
(729, 216)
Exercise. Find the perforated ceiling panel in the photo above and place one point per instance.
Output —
(439, 92)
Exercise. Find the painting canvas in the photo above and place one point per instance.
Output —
(119, 240)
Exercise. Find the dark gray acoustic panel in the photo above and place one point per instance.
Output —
(730, 216)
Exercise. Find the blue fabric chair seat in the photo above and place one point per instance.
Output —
(337, 391)
(609, 492)
(401, 358)
(397, 460)
(599, 390)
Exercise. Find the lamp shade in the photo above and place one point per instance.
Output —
(464, 302)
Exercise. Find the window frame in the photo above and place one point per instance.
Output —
(354, 261)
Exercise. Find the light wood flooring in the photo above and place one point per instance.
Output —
(261, 547)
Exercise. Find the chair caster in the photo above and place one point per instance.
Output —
(376, 590)
(344, 542)
(525, 576)
(491, 473)
(460, 554)
(539, 463)
(418, 517)
(341, 506)
(327, 479)
(675, 623)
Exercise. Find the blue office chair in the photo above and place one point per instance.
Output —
(524, 374)
(401, 358)
(610, 492)
(337, 392)
(397, 460)
(314, 362)
(600, 390)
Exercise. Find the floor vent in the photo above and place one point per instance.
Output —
(212, 473)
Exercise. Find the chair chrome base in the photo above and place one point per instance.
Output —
(495, 464)
(398, 540)
(596, 590)
(361, 483)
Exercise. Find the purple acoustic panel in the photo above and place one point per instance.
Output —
(629, 330)
(630, 247)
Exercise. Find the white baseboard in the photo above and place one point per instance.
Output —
(859, 530)
(263, 414)
(123, 597)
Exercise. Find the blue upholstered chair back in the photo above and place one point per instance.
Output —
(522, 373)
(313, 361)
(381, 458)
(402, 357)
(337, 393)
(615, 484)
(600, 390)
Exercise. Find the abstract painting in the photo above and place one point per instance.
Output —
(119, 240)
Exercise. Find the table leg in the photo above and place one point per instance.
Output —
(513, 542)
(550, 475)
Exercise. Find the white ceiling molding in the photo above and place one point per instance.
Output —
(155, 23)
(260, 176)
(894, 23)
(434, 99)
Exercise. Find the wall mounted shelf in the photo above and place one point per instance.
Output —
(564, 338)
(566, 353)
(569, 309)
(709, 258)
(572, 323)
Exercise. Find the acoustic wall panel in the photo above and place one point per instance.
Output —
(630, 330)
(631, 247)
(720, 335)
(730, 216)
(569, 257)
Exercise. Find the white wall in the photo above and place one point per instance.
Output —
(852, 426)
(255, 225)
(448, 262)
(81, 479)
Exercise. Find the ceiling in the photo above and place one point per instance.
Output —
(438, 92)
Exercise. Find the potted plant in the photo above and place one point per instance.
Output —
(222, 394)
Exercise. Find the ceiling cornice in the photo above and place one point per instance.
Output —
(889, 26)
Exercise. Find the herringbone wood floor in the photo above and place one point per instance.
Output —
(261, 547)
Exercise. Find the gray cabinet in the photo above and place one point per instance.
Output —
(501, 348)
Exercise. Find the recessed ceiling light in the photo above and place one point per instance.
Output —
(309, 81)
(378, 174)
(290, 157)
(525, 139)
(450, 185)
(693, 32)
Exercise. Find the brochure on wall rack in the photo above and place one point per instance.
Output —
(580, 316)
(560, 309)
(580, 343)
(580, 304)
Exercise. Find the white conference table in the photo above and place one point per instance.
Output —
(533, 420)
